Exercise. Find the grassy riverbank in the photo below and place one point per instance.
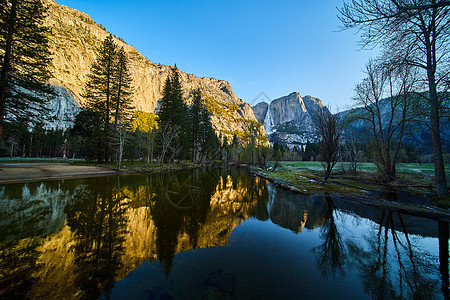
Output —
(306, 177)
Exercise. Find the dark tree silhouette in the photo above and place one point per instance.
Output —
(24, 58)
(332, 254)
(99, 224)
(329, 132)
(172, 117)
(123, 86)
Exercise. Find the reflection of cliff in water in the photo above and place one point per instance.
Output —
(291, 211)
(114, 224)
(33, 209)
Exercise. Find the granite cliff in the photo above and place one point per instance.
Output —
(74, 39)
(289, 120)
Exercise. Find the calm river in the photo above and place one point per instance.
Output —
(210, 234)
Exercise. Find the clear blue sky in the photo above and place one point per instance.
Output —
(275, 47)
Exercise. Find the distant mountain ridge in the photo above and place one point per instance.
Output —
(289, 120)
(416, 133)
(74, 39)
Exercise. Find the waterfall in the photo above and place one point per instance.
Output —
(272, 194)
(268, 122)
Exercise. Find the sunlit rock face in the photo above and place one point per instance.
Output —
(289, 120)
(74, 39)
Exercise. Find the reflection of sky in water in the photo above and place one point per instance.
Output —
(353, 227)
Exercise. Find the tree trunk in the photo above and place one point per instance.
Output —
(108, 100)
(438, 160)
(118, 96)
(4, 77)
(121, 144)
(65, 149)
(31, 146)
(327, 173)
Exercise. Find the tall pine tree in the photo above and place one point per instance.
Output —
(195, 116)
(24, 58)
(99, 92)
(209, 143)
(108, 90)
(173, 115)
(173, 110)
(204, 141)
(123, 86)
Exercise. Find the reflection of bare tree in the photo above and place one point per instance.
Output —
(98, 223)
(443, 258)
(392, 266)
(332, 254)
(263, 207)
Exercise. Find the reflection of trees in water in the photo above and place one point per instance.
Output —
(251, 189)
(199, 209)
(17, 265)
(266, 196)
(98, 223)
(443, 257)
(331, 254)
(392, 266)
(181, 204)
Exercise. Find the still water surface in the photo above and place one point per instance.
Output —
(210, 234)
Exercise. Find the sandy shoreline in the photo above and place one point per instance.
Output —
(23, 172)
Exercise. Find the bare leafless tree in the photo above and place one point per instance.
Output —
(329, 132)
(12, 146)
(168, 134)
(386, 104)
(121, 126)
(421, 30)
(352, 149)
(150, 144)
